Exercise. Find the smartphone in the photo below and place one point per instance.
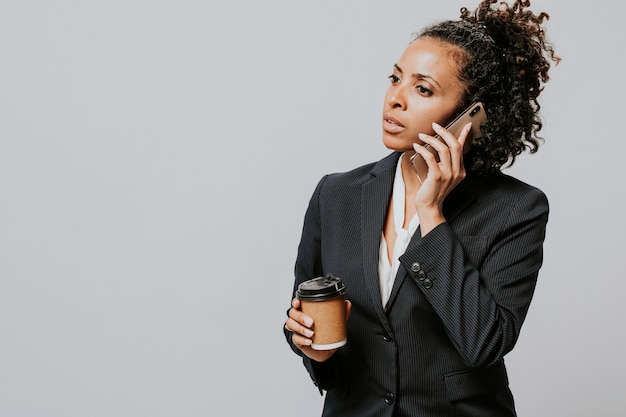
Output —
(475, 114)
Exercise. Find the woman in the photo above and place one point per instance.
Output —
(440, 270)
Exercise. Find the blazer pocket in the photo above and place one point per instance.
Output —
(476, 382)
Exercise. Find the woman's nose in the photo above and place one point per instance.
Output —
(395, 97)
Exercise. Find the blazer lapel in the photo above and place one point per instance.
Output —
(375, 195)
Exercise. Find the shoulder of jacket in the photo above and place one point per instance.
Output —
(364, 172)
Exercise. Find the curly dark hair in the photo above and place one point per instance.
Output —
(503, 60)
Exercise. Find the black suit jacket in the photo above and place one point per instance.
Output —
(456, 307)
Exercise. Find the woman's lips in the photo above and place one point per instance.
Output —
(391, 124)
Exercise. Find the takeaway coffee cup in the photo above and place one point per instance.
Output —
(323, 299)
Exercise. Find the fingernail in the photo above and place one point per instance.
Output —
(436, 126)
(308, 321)
(422, 136)
(308, 333)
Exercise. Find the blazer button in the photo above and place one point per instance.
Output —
(386, 338)
(427, 283)
(389, 398)
(421, 275)
(416, 267)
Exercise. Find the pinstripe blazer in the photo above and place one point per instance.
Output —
(457, 304)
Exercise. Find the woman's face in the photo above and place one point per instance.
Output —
(424, 89)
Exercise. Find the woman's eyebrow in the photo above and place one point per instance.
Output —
(418, 76)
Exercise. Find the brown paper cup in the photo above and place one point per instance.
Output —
(323, 300)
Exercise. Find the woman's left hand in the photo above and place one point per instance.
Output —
(443, 175)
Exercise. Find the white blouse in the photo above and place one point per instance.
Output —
(386, 271)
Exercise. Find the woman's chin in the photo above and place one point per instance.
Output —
(397, 145)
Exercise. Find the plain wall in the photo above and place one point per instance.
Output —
(156, 160)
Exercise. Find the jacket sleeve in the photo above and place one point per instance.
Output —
(308, 265)
(482, 308)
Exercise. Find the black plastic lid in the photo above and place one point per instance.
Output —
(321, 288)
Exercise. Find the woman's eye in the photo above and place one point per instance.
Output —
(423, 90)
(394, 79)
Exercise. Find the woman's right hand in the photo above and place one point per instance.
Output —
(301, 327)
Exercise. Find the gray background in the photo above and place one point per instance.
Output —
(156, 159)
